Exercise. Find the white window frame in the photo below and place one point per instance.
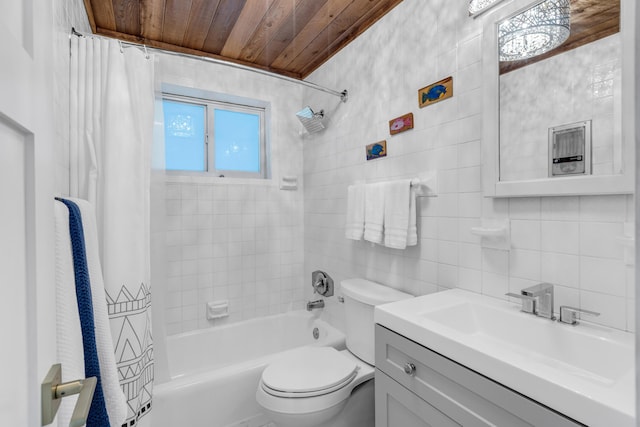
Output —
(230, 103)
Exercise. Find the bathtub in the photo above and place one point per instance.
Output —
(214, 372)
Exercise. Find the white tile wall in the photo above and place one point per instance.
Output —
(230, 239)
(570, 241)
(240, 242)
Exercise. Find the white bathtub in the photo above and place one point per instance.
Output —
(214, 372)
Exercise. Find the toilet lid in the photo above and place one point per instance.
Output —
(309, 371)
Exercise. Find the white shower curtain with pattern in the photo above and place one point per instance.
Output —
(112, 111)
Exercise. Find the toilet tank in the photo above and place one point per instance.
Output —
(360, 297)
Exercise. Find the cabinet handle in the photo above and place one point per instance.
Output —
(409, 368)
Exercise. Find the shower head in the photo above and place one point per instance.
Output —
(311, 121)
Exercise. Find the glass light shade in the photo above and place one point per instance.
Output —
(478, 6)
(535, 31)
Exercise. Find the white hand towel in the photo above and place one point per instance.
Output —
(396, 213)
(355, 212)
(69, 334)
(115, 400)
(412, 233)
(374, 212)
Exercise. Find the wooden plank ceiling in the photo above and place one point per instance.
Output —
(590, 20)
(289, 37)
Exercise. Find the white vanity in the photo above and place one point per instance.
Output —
(460, 358)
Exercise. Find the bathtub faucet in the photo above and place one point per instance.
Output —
(315, 304)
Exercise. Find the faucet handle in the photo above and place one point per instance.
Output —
(569, 315)
(528, 302)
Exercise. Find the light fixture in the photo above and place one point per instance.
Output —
(535, 31)
(476, 7)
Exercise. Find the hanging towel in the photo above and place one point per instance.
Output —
(88, 280)
(69, 335)
(396, 213)
(374, 212)
(412, 232)
(355, 212)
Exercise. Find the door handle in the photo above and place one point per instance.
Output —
(53, 390)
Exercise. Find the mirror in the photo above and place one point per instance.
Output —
(561, 123)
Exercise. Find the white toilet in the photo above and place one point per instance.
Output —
(321, 386)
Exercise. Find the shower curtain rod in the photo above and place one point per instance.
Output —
(344, 95)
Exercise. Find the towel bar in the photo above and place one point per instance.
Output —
(53, 390)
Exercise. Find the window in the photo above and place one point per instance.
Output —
(215, 137)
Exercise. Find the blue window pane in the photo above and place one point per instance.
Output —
(184, 136)
(237, 140)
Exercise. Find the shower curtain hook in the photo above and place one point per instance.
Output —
(121, 48)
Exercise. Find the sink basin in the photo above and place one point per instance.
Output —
(585, 372)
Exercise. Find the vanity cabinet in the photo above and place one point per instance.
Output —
(417, 387)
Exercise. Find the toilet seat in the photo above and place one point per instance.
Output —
(308, 372)
(303, 401)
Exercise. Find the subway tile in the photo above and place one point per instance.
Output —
(603, 208)
(448, 252)
(494, 285)
(560, 236)
(495, 261)
(560, 208)
(470, 279)
(470, 179)
(525, 234)
(560, 269)
(524, 264)
(470, 256)
(524, 208)
(470, 205)
(469, 154)
(447, 276)
(607, 276)
(447, 229)
(601, 239)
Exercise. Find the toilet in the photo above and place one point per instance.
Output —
(321, 386)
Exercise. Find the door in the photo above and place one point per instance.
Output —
(27, 288)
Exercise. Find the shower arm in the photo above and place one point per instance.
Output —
(344, 95)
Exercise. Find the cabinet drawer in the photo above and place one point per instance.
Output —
(464, 395)
(398, 407)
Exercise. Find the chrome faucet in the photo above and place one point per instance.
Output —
(315, 304)
(537, 300)
(569, 315)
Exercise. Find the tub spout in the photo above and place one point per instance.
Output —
(315, 304)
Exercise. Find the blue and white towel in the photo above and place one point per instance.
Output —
(85, 345)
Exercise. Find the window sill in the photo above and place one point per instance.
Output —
(200, 178)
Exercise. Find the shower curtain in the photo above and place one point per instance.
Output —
(112, 110)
